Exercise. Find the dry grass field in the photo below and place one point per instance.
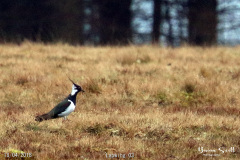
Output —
(157, 103)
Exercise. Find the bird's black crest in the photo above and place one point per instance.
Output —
(72, 81)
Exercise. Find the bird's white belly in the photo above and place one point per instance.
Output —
(68, 110)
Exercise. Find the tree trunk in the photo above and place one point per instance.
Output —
(115, 22)
(202, 19)
(156, 21)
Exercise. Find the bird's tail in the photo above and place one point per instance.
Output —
(42, 117)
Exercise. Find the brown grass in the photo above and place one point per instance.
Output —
(158, 103)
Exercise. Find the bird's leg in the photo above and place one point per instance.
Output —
(64, 118)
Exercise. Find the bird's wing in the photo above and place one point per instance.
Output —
(61, 107)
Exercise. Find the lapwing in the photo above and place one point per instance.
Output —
(64, 108)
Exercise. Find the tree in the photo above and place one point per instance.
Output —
(114, 22)
(68, 21)
(156, 21)
(41, 20)
(25, 19)
(202, 22)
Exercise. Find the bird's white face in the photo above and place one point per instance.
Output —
(74, 90)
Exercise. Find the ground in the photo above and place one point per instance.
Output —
(143, 101)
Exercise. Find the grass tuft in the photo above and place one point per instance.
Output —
(162, 99)
(189, 88)
(144, 59)
(22, 80)
(236, 75)
(127, 59)
(206, 72)
(33, 127)
(93, 86)
(95, 130)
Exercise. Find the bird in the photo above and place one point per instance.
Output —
(65, 107)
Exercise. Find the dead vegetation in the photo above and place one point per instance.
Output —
(158, 103)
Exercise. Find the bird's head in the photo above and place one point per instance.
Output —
(76, 88)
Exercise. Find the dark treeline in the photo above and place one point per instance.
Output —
(109, 22)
